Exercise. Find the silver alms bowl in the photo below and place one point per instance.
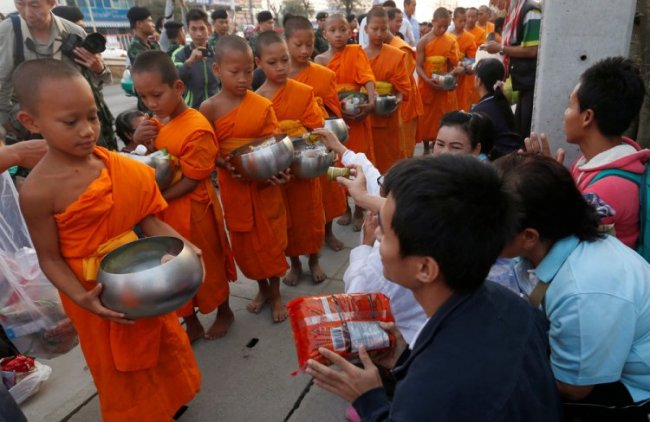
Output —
(138, 284)
(263, 158)
(385, 105)
(310, 159)
(338, 126)
(162, 164)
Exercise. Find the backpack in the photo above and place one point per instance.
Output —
(19, 53)
(643, 182)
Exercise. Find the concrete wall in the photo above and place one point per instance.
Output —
(575, 35)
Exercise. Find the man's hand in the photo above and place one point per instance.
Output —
(89, 60)
(329, 139)
(491, 47)
(196, 55)
(389, 359)
(540, 145)
(370, 223)
(90, 302)
(27, 153)
(356, 187)
(351, 381)
(146, 133)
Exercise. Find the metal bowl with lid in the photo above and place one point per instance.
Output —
(385, 105)
(310, 158)
(339, 127)
(149, 277)
(263, 158)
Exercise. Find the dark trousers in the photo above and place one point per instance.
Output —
(610, 402)
(524, 113)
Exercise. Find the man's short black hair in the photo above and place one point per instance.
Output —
(70, 13)
(196, 15)
(137, 14)
(389, 3)
(547, 198)
(173, 28)
(264, 16)
(219, 13)
(393, 12)
(454, 209)
(350, 18)
(614, 90)
(321, 15)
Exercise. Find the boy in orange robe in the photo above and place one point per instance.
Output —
(300, 40)
(411, 108)
(353, 71)
(388, 65)
(472, 27)
(437, 52)
(80, 202)
(194, 209)
(255, 211)
(465, 91)
(297, 112)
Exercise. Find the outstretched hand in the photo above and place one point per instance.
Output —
(540, 145)
(351, 381)
(356, 187)
(90, 302)
(329, 139)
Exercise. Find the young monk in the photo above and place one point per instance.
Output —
(300, 38)
(194, 208)
(472, 26)
(255, 212)
(466, 93)
(388, 65)
(80, 202)
(437, 52)
(411, 108)
(297, 112)
(353, 72)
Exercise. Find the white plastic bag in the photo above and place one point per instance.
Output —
(30, 307)
(29, 385)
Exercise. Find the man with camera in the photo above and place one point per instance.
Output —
(35, 34)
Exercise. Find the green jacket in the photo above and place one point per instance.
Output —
(139, 46)
(321, 45)
(172, 48)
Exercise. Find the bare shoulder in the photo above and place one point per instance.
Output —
(37, 194)
(321, 59)
(208, 109)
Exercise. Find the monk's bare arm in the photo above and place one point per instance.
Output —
(419, 59)
(207, 109)
(43, 230)
(180, 188)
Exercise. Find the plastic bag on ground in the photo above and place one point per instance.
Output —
(30, 385)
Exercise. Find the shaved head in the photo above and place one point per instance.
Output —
(336, 18)
(459, 11)
(231, 43)
(31, 75)
(441, 13)
(376, 12)
(159, 62)
(296, 23)
(265, 39)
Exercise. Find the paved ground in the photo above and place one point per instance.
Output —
(240, 383)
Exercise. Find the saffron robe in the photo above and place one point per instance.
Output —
(389, 66)
(353, 71)
(488, 28)
(465, 91)
(323, 81)
(197, 215)
(411, 109)
(130, 364)
(304, 201)
(255, 213)
(479, 34)
(441, 56)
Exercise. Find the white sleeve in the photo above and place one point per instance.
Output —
(407, 31)
(370, 171)
(363, 37)
(359, 274)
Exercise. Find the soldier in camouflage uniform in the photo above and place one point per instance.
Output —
(175, 35)
(220, 26)
(320, 45)
(143, 27)
(265, 22)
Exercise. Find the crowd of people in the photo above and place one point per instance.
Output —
(518, 286)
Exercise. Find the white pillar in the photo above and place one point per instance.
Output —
(575, 35)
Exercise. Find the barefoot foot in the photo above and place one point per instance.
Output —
(317, 273)
(293, 276)
(193, 328)
(255, 306)
(345, 219)
(221, 324)
(279, 310)
(333, 242)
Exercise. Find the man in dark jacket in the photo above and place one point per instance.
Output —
(482, 354)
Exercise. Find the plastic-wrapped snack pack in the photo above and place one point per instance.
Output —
(341, 322)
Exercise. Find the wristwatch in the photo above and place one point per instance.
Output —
(502, 52)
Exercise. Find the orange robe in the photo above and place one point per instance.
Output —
(145, 371)
(479, 34)
(304, 201)
(353, 71)
(197, 215)
(323, 81)
(411, 109)
(255, 213)
(465, 91)
(389, 66)
(488, 28)
(441, 56)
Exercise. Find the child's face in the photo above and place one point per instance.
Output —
(236, 71)
(337, 33)
(377, 28)
(440, 26)
(453, 140)
(275, 62)
(135, 122)
(460, 21)
(472, 17)
(301, 46)
(158, 96)
(395, 24)
(66, 116)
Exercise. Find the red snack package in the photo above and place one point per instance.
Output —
(341, 323)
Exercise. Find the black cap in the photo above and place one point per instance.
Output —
(69, 13)
(137, 13)
(322, 15)
(173, 25)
